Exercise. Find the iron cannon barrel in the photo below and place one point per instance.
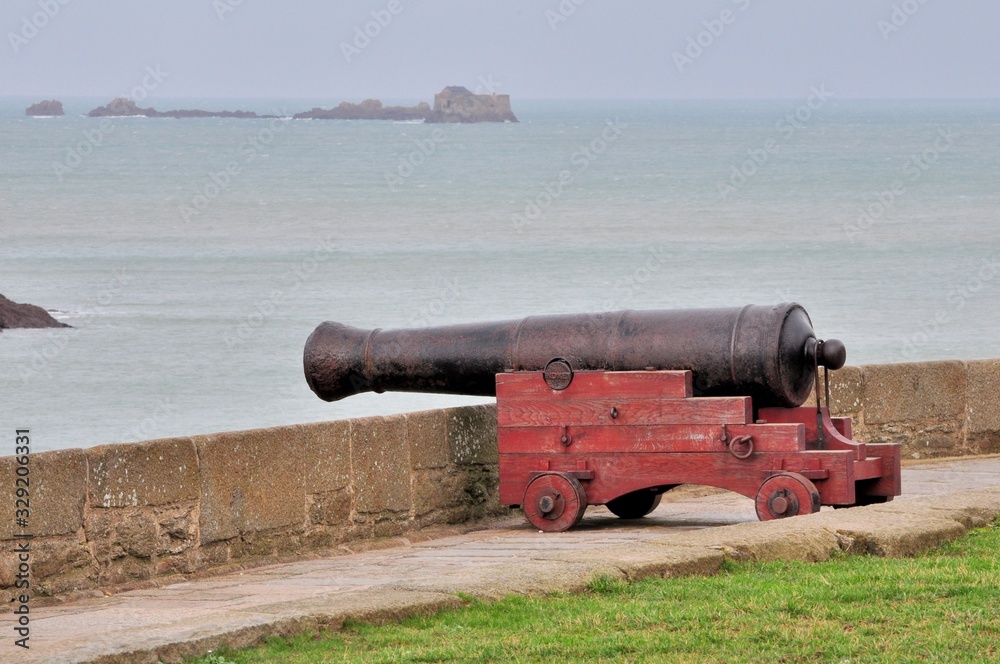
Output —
(766, 352)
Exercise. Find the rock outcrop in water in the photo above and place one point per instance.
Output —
(453, 104)
(369, 109)
(14, 315)
(45, 107)
(124, 107)
(457, 104)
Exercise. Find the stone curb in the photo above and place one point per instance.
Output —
(902, 528)
(284, 619)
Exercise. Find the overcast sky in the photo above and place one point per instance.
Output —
(531, 49)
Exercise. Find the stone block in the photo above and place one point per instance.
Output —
(914, 391)
(177, 527)
(329, 509)
(846, 391)
(427, 436)
(380, 464)
(62, 564)
(185, 563)
(121, 531)
(326, 455)
(640, 560)
(57, 490)
(919, 439)
(874, 531)
(250, 481)
(211, 555)
(257, 545)
(324, 537)
(437, 489)
(972, 509)
(390, 527)
(157, 472)
(987, 442)
(801, 538)
(472, 434)
(494, 582)
(126, 570)
(983, 397)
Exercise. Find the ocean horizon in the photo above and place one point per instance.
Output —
(193, 257)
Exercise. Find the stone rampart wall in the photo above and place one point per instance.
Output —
(120, 515)
(934, 408)
(128, 514)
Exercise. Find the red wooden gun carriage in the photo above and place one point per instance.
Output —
(615, 409)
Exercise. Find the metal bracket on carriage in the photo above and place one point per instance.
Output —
(581, 473)
(808, 473)
(578, 474)
(836, 430)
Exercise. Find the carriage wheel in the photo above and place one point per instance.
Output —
(784, 495)
(554, 502)
(634, 505)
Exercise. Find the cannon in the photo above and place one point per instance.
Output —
(617, 408)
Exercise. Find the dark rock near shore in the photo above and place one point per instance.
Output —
(14, 315)
(123, 107)
(45, 107)
(369, 109)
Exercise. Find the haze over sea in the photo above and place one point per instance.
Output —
(190, 313)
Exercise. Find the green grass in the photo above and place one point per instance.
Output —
(943, 606)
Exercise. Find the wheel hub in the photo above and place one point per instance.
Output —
(783, 502)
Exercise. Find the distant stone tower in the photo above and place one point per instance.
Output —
(457, 104)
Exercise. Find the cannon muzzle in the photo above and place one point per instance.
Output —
(767, 352)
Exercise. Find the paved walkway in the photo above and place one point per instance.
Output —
(194, 617)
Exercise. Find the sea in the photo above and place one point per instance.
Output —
(194, 257)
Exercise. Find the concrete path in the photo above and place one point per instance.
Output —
(681, 537)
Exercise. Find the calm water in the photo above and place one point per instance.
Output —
(194, 257)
